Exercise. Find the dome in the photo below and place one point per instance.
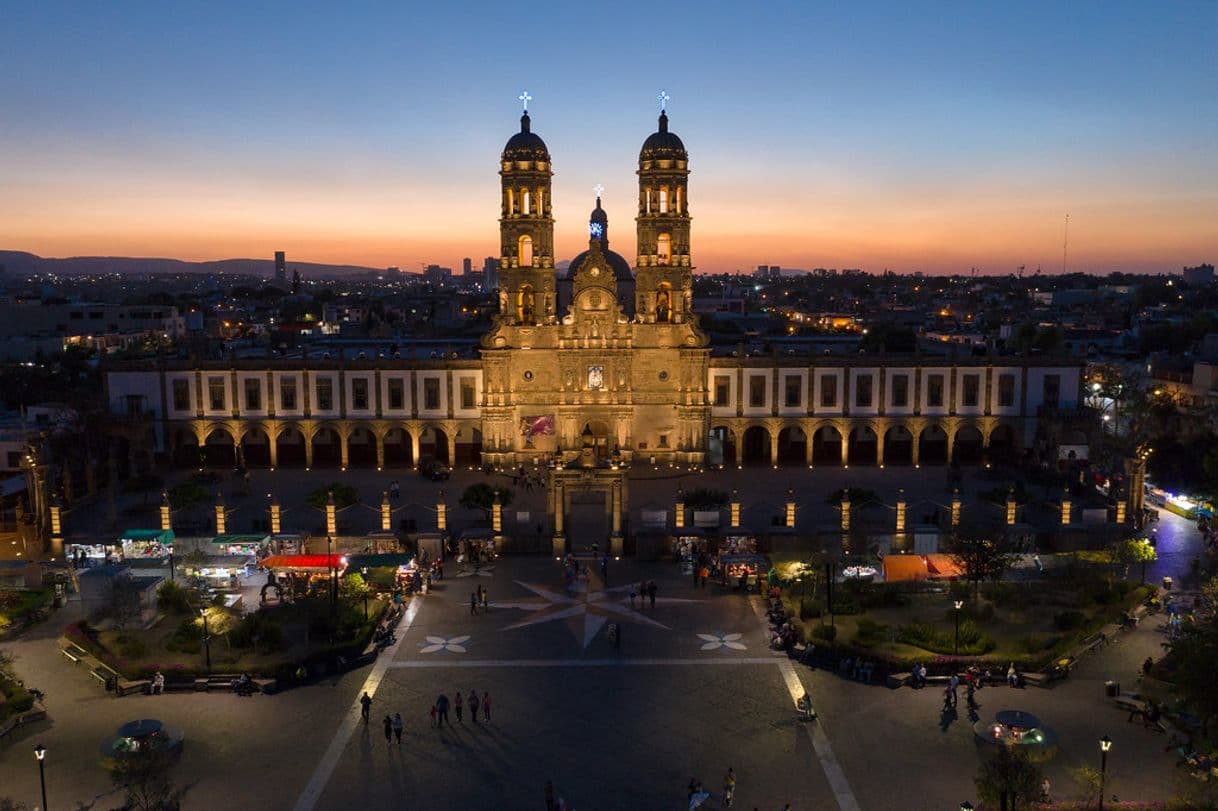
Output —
(663, 144)
(525, 145)
(621, 268)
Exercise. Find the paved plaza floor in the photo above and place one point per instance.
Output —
(691, 691)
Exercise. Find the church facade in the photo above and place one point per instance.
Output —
(605, 357)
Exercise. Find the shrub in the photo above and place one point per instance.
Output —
(172, 597)
(131, 647)
(825, 633)
(869, 632)
(187, 638)
(810, 609)
(1069, 620)
(923, 635)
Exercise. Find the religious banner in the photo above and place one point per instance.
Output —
(542, 425)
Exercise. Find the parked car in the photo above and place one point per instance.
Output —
(435, 470)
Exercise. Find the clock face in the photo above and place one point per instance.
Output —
(595, 272)
(596, 229)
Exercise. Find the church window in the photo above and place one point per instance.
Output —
(525, 304)
(467, 394)
(647, 201)
(181, 395)
(431, 394)
(663, 199)
(663, 441)
(524, 202)
(664, 249)
(215, 393)
(287, 393)
(757, 391)
(359, 394)
(397, 393)
(325, 394)
(680, 203)
(525, 251)
(723, 388)
(664, 302)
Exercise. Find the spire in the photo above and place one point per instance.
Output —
(524, 122)
(598, 222)
(663, 121)
(664, 99)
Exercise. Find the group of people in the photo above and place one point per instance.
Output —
(783, 635)
(528, 479)
(479, 600)
(476, 703)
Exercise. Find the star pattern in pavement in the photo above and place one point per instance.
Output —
(588, 605)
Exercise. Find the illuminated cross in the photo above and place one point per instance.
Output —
(598, 189)
(525, 98)
(664, 99)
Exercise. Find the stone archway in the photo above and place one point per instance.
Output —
(219, 448)
(755, 444)
(827, 446)
(290, 447)
(361, 447)
(1002, 443)
(185, 448)
(792, 446)
(468, 449)
(932, 445)
(864, 446)
(256, 447)
(898, 446)
(433, 444)
(327, 448)
(724, 454)
(968, 447)
(398, 449)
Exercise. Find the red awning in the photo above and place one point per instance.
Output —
(942, 566)
(318, 562)
(904, 567)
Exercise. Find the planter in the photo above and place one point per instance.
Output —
(35, 713)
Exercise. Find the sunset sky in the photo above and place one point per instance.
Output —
(908, 136)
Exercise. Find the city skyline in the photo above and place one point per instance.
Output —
(935, 140)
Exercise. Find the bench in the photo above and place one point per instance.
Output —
(74, 652)
(1092, 642)
(123, 686)
(179, 685)
(1036, 679)
(267, 686)
(896, 680)
(104, 675)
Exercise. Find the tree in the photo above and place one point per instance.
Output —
(705, 499)
(1190, 662)
(124, 602)
(1133, 550)
(1008, 778)
(187, 494)
(481, 496)
(980, 558)
(146, 782)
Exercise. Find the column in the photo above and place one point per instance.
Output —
(273, 438)
(308, 438)
(343, 436)
(807, 445)
(559, 543)
(451, 436)
(615, 538)
(773, 448)
(914, 450)
(414, 447)
(879, 447)
(380, 450)
(845, 447)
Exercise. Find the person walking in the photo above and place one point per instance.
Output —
(486, 599)
(486, 706)
(473, 603)
(365, 706)
(954, 685)
(729, 787)
(398, 726)
(459, 704)
(388, 724)
(442, 709)
(651, 593)
(433, 716)
(473, 705)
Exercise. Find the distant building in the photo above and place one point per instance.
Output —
(1199, 276)
(28, 328)
(437, 275)
(281, 268)
(490, 273)
(467, 267)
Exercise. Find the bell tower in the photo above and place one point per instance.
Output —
(526, 228)
(664, 286)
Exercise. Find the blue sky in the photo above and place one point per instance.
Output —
(931, 136)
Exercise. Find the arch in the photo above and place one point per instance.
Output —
(664, 302)
(526, 202)
(361, 447)
(663, 249)
(256, 447)
(722, 446)
(755, 446)
(864, 446)
(663, 207)
(398, 449)
(524, 251)
(184, 448)
(898, 446)
(219, 448)
(827, 446)
(327, 447)
(526, 304)
(433, 443)
(290, 447)
(792, 446)
(468, 449)
(932, 445)
(969, 445)
(1002, 442)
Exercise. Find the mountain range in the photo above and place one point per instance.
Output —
(20, 263)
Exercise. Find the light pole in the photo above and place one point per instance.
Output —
(206, 638)
(959, 605)
(40, 752)
(364, 572)
(1105, 745)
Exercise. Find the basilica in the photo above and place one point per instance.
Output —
(604, 360)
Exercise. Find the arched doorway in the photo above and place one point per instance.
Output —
(898, 446)
(792, 446)
(968, 446)
(932, 445)
(827, 446)
(361, 448)
(721, 446)
(256, 447)
(756, 442)
(290, 447)
(185, 448)
(398, 450)
(219, 449)
(327, 448)
(469, 446)
(433, 444)
(864, 446)
(1002, 443)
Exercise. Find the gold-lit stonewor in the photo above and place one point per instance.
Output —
(386, 513)
(900, 511)
(275, 522)
(331, 516)
(734, 510)
(441, 513)
(1011, 507)
(846, 510)
(790, 522)
(221, 515)
(678, 516)
(497, 514)
(166, 515)
(1067, 508)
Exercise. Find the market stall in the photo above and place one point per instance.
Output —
(478, 546)
(91, 552)
(383, 543)
(431, 544)
(747, 570)
(738, 545)
(221, 572)
(251, 545)
(299, 573)
(147, 544)
(687, 544)
(286, 545)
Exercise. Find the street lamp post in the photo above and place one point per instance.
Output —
(364, 572)
(40, 752)
(1105, 745)
(959, 605)
(206, 638)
